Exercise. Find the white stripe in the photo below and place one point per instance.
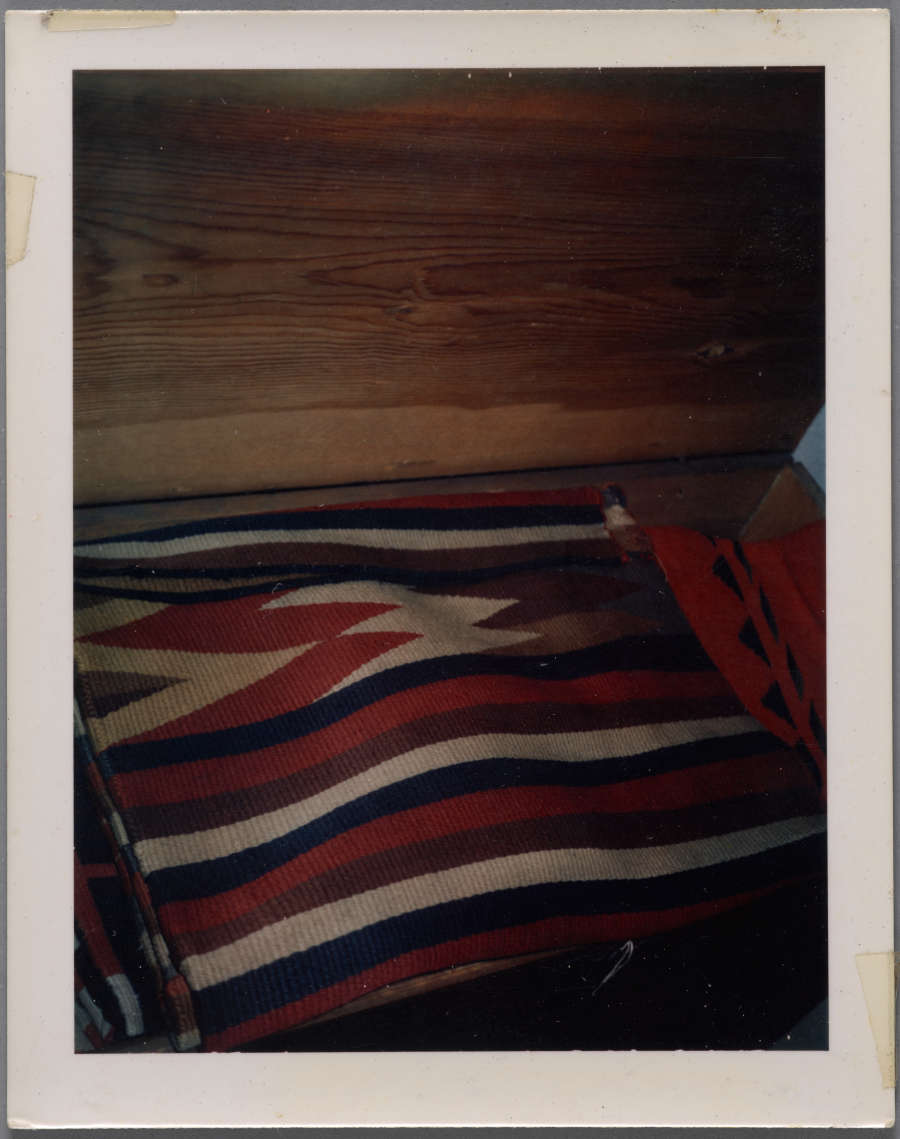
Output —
(118, 829)
(374, 539)
(161, 953)
(336, 919)
(187, 1041)
(112, 615)
(564, 747)
(128, 1003)
(93, 1010)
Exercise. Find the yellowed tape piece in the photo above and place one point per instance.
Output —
(102, 20)
(19, 196)
(876, 974)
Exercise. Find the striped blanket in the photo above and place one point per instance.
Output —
(114, 986)
(342, 747)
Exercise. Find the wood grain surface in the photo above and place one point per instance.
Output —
(793, 500)
(300, 278)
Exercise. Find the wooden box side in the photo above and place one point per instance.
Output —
(306, 278)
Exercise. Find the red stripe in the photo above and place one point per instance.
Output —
(241, 625)
(186, 781)
(91, 925)
(93, 1036)
(99, 870)
(562, 932)
(708, 784)
(301, 681)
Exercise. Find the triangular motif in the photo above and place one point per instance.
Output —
(109, 691)
(205, 679)
(725, 574)
(775, 702)
(750, 637)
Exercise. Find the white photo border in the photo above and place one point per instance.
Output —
(50, 1086)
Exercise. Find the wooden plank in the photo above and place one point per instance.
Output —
(258, 450)
(716, 497)
(290, 278)
(793, 500)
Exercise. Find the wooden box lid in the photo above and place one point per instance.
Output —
(304, 278)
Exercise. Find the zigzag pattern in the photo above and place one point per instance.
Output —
(347, 746)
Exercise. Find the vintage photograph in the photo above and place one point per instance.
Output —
(449, 588)
(419, 426)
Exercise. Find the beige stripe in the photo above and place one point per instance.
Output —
(438, 626)
(374, 539)
(336, 919)
(206, 679)
(112, 614)
(385, 593)
(566, 747)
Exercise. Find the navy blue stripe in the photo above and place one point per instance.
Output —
(203, 879)
(140, 571)
(331, 575)
(272, 986)
(198, 596)
(338, 571)
(378, 518)
(682, 653)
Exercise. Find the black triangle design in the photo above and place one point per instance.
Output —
(774, 701)
(805, 754)
(724, 572)
(816, 727)
(750, 637)
(767, 612)
(796, 674)
(742, 558)
(109, 691)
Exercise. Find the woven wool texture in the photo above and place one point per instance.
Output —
(759, 611)
(114, 984)
(342, 747)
